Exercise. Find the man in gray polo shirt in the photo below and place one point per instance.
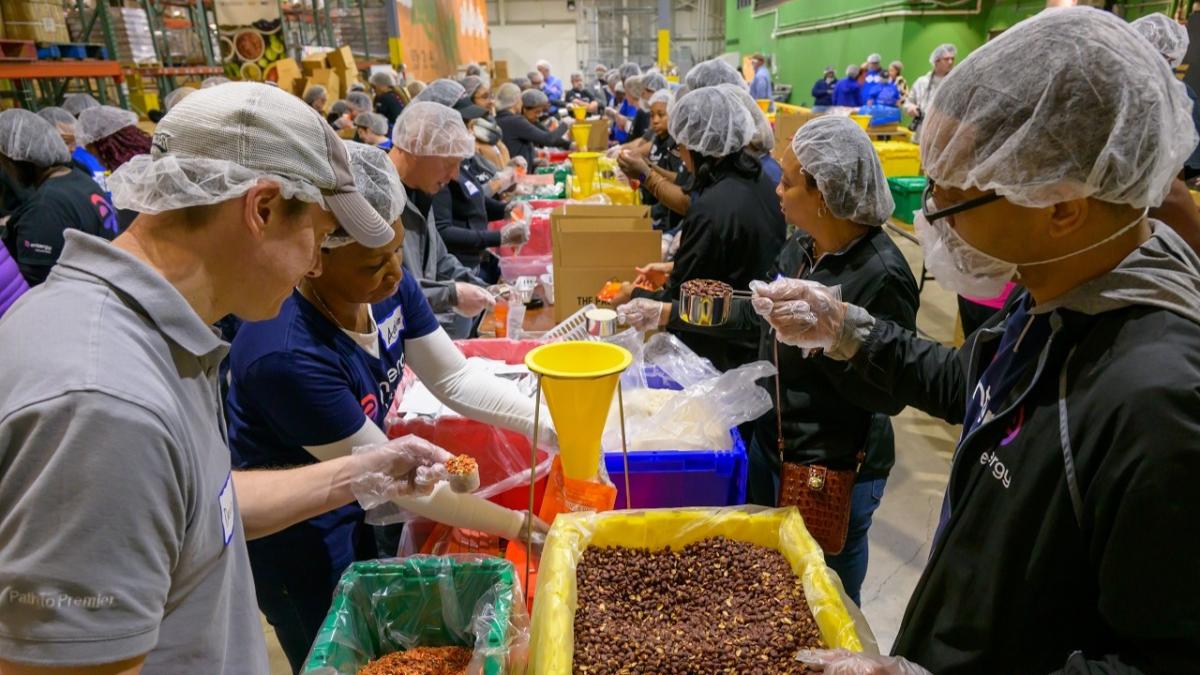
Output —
(122, 543)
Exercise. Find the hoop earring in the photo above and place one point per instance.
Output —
(821, 212)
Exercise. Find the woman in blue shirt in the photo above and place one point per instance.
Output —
(318, 380)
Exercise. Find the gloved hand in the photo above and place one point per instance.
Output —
(400, 467)
(845, 662)
(613, 152)
(518, 161)
(803, 313)
(653, 274)
(633, 164)
(472, 300)
(644, 314)
(504, 179)
(514, 234)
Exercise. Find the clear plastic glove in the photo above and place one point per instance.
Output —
(653, 274)
(514, 234)
(472, 300)
(803, 313)
(519, 161)
(401, 467)
(504, 179)
(643, 314)
(613, 152)
(632, 163)
(845, 662)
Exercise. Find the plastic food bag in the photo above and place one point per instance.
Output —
(384, 606)
(782, 529)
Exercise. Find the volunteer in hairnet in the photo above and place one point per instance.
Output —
(429, 143)
(733, 229)
(318, 380)
(1178, 210)
(1066, 541)
(65, 123)
(444, 91)
(715, 71)
(518, 120)
(829, 418)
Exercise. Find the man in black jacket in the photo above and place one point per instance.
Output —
(521, 130)
(1068, 540)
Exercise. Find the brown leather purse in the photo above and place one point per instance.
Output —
(821, 494)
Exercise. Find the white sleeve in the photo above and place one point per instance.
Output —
(467, 391)
(367, 434)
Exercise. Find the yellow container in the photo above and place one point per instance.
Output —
(584, 166)
(764, 104)
(553, 624)
(579, 112)
(578, 380)
(899, 158)
(863, 121)
(581, 134)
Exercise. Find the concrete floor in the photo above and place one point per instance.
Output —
(903, 525)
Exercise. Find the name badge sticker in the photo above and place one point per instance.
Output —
(226, 501)
(392, 327)
(471, 189)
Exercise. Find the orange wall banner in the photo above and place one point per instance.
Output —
(439, 35)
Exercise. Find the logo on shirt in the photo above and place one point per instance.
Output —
(996, 468)
(38, 247)
(161, 142)
(106, 211)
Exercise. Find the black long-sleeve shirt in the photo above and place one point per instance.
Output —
(390, 105)
(521, 135)
(462, 213)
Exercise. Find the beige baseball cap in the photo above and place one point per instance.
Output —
(268, 131)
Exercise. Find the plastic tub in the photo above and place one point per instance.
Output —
(899, 158)
(676, 478)
(383, 606)
(907, 193)
(512, 267)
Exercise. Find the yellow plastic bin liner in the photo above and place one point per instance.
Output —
(899, 158)
(553, 633)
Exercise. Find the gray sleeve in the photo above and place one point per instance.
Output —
(93, 513)
(441, 295)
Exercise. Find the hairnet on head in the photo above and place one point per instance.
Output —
(359, 100)
(354, 86)
(711, 121)
(314, 94)
(852, 70)
(612, 78)
(472, 69)
(470, 85)
(77, 103)
(340, 107)
(429, 129)
(712, 72)
(945, 49)
(763, 139)
(629, 69)
(26, 137)
(1038, 129)
(532, 98)
(839, 156)
(662, 96)
(874, 58)
(576, 73)
(542, 63)
(633, 86)
(897, 65)
(383, 78)
(213, 81)
(507, 96)
(1167, 35)
(59, 117)
(97, 123)
(654, 82)
(176, 96)
(444, 91)
(374, 122)
(377, 180)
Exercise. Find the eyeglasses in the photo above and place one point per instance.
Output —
(932, 213)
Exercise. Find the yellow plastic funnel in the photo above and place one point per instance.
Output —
(581, 134)
(578, 380)
(585, 164)
(579, 112)
(764, 104)
(863, 121)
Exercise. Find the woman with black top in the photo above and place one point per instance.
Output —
(519, 123)
(732, 231)
(661, 165)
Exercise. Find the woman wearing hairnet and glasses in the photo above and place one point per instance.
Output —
(1066, 541)
(318, 380)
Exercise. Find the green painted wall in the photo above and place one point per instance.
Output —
(800, 59)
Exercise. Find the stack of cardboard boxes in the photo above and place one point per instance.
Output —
(37, 20)
(335, 70)
(594, 244)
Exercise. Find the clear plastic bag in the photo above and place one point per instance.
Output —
(781, 529)
(385, 606)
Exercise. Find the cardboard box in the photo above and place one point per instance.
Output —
(288, 74)
(346, 78)
(786, 125)
(342, 59)
(313, 63)
(500, 72)
(33, 20)
(594, 244)
(598, 137)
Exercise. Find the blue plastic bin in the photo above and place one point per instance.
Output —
(673, 478)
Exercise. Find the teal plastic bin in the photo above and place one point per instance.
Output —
(385, 606)
(906, 192)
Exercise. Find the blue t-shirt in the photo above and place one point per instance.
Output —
(772, 169)
(297, 380)
(91, 166)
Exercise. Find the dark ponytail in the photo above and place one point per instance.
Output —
(710, 170)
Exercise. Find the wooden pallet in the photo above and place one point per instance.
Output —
(71, 50)
(17, 50)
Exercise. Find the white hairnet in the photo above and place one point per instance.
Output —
(764, 136)
(176, 96)
(1018, 118)
(532, 98)
(663, 96)
(712, 72)
(26, 137)
(945, 49)
(633, 86)
(374, 121)
(576, 73)
(149, 184)
(542, 63)
(101, 122)
(314, 94)
(507, 96)
(839, 156)
(628, 70)
(654, 82)
(77, 103)
(430, 129)
(359, 100)
(383, 78)
(1167, 35)
(471, 84)
(213, 81)
(60, 118)
(898, 65)
(711, 121)
(444, 91)
(874, 58)
(852, 70)
(376, 179)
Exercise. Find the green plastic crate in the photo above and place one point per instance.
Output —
(427, 601)
(906, 192)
